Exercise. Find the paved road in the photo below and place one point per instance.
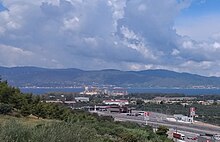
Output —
(157, 119)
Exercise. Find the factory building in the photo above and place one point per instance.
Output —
(116, 102)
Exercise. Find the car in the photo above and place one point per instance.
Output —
(217, 137)
(141, 113)
(132, 114)
(192, 138)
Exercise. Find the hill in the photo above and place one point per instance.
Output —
(42, 77)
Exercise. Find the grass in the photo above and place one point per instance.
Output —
(31, 129)
(14, 129)
(28, 121)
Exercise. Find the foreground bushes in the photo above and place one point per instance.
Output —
(5, 108)
(14, 131)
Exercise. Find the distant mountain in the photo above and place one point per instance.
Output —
(42, 77)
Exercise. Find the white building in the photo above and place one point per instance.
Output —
(54, 101)
(116, 102)
(82, 99)
(182, 118)
(210, 101)
(91, 91)
(118, 91)
(70, 102)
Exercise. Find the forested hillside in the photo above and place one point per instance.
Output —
(66, 125)
(33, 76)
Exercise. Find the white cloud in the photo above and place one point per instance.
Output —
(199, 51)
(216, 45)
(188, 44)
(96, 34)
(197, 65)
(14, 51)
(71, 24)
(12, 55)
(175, 52)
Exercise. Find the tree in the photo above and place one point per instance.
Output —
(162, 131)
(5, 108)
(25, 110)
(215, 103)
(139, 102)
(129, 137)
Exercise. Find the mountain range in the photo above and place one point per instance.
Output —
(43, 77)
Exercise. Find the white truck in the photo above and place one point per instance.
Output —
(178, 136)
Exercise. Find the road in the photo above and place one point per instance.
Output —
(157, 119)
(188, 135)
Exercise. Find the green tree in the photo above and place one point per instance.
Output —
(162, 131)
(26, 110)
(5, 108)
(140, 102)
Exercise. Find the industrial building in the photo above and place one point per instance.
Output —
(182, 118)
(116, 102)
(119, 109)
(82, 99)
(118, 91)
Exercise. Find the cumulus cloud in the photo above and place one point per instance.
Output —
(97, 34)
(13, 56)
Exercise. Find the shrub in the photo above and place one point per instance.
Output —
(5, 108)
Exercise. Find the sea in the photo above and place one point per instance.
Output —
(38, 91)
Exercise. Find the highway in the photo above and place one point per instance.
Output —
(157, 119)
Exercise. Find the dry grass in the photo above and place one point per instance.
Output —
(30, 120)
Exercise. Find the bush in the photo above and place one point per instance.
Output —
(14, 131)
(5, 108)
(11, 131)
(162, 131)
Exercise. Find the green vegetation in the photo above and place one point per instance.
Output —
(65, 125)
(150, 96)
(206, 113)
(15, 131)
(162, 130)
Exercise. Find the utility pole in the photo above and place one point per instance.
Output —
(146, 117)
(192, 113)
(95, 108)
(176, 133)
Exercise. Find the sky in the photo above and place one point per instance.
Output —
(177, 35)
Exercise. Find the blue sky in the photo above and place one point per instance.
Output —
(178, 35)
(2, 8)
(201, 14)
(202, 7)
